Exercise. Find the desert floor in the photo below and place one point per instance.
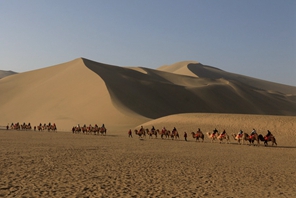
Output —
(62, 164)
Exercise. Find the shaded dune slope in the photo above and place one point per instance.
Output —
(154, 93)
(192, 68)
(6, 73)
(203, 71)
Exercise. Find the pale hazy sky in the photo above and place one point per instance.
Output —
(256, 38)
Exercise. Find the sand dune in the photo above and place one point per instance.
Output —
(6, 73)
(192, 68)
(87, 92)
(67, 94)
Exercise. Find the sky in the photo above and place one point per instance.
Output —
(255, 38)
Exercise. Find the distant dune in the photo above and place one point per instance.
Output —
(87, 92)
(6, 73)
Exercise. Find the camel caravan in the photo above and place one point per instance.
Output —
(95, 130)
(253, 138)
(49, 127)
(164, 133)
(40, 127)
(240, 138)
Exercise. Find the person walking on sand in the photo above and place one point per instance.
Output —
(185, 136)
(130, 133)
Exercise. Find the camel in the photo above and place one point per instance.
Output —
(267, 139)
(198, 135)
(76, 129)
(103, 130)
(164, 133)
(211, 136)
(44, 126)
(174, 135)
(83, 129)
(246, 137)
(253, 138)
(225, 136)
(151, 133)
(242, 138)
(26, 126)
(39, 127)
(140, 133)
(52, 127)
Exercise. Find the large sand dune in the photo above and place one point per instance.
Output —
(87, 92)
(185, 95)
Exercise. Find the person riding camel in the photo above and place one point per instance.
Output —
(240, 133)
(152, 129)
(267, 135)
(198, 130)
(253, 133)
(174, 130)
(214, 132)
(141, 129)
(103, 126)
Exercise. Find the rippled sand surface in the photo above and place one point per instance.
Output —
(47, 164)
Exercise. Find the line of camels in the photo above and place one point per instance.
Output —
(241, 138)
(96, 130)
(40, 127)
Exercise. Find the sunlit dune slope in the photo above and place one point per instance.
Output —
(67, 94)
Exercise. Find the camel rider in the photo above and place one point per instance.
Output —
(153, 129)
(174, 130)
(240, 133)
(214, 132)
(164, 129)
(253, 132)
(141, 129)
(268, 134)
